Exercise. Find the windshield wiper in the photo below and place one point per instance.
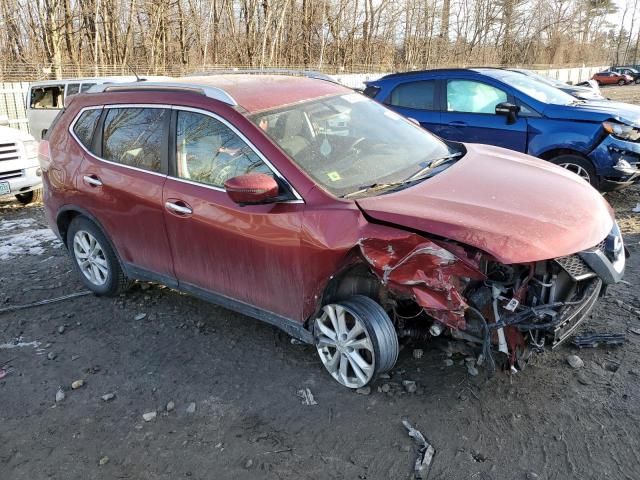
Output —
(374, 187)
(432, 164)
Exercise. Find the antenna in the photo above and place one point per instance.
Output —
(138, 79)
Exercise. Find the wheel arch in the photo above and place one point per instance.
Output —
(556, 152)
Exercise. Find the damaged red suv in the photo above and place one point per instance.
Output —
(308, 206)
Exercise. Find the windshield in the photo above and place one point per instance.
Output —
(539, 90)
(349, 142)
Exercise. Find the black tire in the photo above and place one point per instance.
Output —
(34, 196)
(115, 281)
(571, 162)
(637, 80)
(621, 82)
(383, 350)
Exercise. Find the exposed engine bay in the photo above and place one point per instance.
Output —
(433, 288)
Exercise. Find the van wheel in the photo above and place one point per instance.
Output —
(356, 340)
(578, 165)
(33, 196)
(94, 258)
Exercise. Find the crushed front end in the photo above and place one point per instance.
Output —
(437, 286)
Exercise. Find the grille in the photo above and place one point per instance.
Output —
(575, 267)
(10, 174)
(8, 151)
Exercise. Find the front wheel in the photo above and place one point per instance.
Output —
(94, 258)
(578, 165)
(621, 82)
(355, 340)
(33, 196)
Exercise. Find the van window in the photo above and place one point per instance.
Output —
(86, 86)
(73, 88)
(418, 95)
(135, 137)
(85, 125)
(207, 151)
(50, 96)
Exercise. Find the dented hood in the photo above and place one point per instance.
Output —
(515, 207)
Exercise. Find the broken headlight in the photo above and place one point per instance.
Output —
(622, 131)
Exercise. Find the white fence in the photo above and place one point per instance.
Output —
(571, 75)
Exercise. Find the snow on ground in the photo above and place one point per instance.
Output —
(18, 237)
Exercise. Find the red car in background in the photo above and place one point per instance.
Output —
(612, 78)
(306, 205)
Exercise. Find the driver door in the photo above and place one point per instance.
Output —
(250, 254)
(470, 116)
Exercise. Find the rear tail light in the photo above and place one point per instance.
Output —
(44, 155)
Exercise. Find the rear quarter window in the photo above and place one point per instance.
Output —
(85, 126)
(418, 95)
(371, 91)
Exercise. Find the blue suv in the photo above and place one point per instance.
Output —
(598, 140)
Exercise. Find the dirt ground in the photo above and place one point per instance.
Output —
(242, 377)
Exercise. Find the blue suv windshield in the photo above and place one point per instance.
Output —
(537, 89)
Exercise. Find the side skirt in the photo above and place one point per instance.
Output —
(290, 326)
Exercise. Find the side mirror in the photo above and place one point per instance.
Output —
(509, 110)
(4, 121)
(252, 189)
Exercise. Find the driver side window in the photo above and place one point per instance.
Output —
(209, 152)
(470, 96)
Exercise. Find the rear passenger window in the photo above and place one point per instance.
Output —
(135, 137)
(85, 125)
(73, 88)
(86, 86)
(417, 95)
(207, 151)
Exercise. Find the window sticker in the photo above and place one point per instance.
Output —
(334, 176)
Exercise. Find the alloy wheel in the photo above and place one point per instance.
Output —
(344, 346)
(90, 257)
(577, 169)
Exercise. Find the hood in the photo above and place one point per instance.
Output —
(8, 134)
(596, 111)
(515, 207)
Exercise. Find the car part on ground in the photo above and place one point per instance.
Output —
(594, 340)
(467, 105)
(317, 210)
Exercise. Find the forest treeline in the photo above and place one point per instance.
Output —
(169, 36)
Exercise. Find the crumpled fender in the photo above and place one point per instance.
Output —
(422, 269)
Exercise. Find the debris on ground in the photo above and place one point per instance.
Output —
(425, 452)
(3, 373)
(170, 406)
(45, 302)
(140, 316)
(77, 384)
(593, 340)
(307, 397)
(51, 356)
(60, 395)
(575, 361)
(364, 390)
(191, 408)
(108, 397)
(147, 417)
(417, 353)
(409, 386)
(61, 329)
(385, 388)
(104, 460)
(448, 362)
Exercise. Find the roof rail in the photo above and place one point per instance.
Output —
(208, 91)
(267, 71)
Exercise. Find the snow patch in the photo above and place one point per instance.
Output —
(27, 242)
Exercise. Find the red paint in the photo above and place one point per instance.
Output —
(280, 257)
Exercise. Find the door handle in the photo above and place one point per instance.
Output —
(179, 209)
(457, 123)
(92, 180)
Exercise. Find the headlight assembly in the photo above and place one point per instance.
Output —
(622, 131)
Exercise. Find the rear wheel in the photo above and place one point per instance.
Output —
(33, 196)
(578, 165)
(356, 340)
(94, 258)
(637, 80)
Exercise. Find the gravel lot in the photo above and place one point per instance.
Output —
(233, 383)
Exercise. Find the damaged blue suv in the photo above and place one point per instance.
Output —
(598, 140)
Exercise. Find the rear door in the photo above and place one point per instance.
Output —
(417, 100)
(469, 115)
(250, 254)
(120, 182)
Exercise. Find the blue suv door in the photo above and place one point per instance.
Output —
(469, 115)
(418, 100)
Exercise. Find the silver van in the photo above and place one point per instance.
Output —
(46, 98)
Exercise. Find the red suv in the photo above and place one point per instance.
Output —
(309, 206)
